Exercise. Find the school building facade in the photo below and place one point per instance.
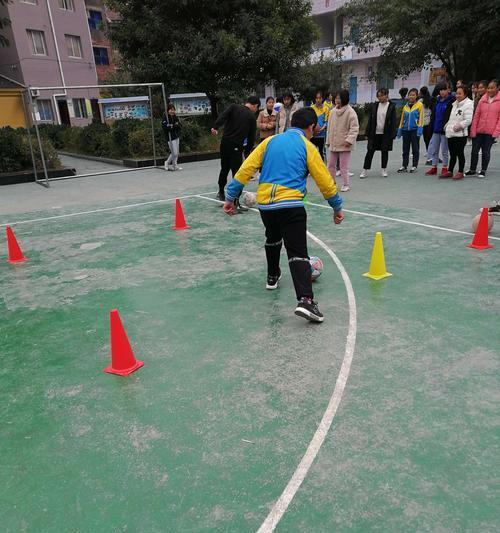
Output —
(57, 43)
(357, 66)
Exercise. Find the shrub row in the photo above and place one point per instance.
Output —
(126, 138)
(15, 154)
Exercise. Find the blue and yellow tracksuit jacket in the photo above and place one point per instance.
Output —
(322, 113)
(412, 118)
(285, 161)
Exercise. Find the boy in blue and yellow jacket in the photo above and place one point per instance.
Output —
(411, 127)
(285, 161)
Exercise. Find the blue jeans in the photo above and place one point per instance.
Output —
(410, 137)
(438, 141)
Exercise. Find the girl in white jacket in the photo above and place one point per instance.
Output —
(457, 131)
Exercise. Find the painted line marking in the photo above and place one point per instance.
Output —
(102, 210)
(403, 221)
(281, 505)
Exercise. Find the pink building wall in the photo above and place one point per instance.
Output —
(19, 63)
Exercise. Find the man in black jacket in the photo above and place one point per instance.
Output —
(239, 126)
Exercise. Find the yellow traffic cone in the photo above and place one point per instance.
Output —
(377, 264)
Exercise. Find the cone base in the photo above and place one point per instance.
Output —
(181, 227)
(372, 276)
(482, 247)
(14, 261)
(124, 372)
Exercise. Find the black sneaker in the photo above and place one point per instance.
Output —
(221, 196)
(482, 174)
(471, 173)
(272, 281)
(402, 169)
(308, 309)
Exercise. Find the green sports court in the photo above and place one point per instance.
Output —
(244, 417)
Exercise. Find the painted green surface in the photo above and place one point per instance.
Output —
(414, 446)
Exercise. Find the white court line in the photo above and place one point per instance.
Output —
(281, 505)
(402, 221)
(102, 210)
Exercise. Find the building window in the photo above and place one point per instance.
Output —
(74, 45)
(384, 81)
(67, 5)
(327, 3)
(32, 2)
(101, 56)
(45, 110)
(95, 20)
(339, 30)
(37, 40)
(80, 107)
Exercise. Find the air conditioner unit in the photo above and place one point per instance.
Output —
(35, 93)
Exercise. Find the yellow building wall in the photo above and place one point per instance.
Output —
(11, 109)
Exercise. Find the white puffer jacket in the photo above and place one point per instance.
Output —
(461, 115)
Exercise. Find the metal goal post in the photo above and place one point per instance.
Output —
(45, 181)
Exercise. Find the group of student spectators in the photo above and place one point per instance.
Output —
(446, 120)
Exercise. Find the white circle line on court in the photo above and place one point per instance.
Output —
(101, 210)
(281, 505)
(403, 221)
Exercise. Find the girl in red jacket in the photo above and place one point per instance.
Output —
(485, 129)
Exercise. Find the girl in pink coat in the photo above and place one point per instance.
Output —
(485, 129)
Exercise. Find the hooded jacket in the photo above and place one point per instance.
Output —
(487, 117)
(343, 126)
(460, 116)
(440, 113)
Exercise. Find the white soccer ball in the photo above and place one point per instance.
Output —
(249, 199)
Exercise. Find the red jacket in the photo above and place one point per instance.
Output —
(487, 117)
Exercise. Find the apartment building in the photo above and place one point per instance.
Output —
(99, 19)
(357, 66)
(51, 45)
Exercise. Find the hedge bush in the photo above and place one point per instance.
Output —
(15, 155)
(129, 138)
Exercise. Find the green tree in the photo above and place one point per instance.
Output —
(324, 74)
(462, 34)
(213, 47)
(4, 22)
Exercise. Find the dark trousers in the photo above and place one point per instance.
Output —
(411, 137)
(289, 226)
(377, 145)
(427, 134)
(320, 143)
(482, 142)
(456, 147)
(231, 158)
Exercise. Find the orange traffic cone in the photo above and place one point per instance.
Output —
(480, 240)
(15, 253)
(180, 221)
(123, 361)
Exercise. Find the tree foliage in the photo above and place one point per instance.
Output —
(324, 75)
(464, 35)
(213, 47)
(4, 22)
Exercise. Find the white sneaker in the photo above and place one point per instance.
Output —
(413, 169)
(337, 173)
(344, 188)
(177, 168)
(351, 174)
(384, 173)
(364, 174)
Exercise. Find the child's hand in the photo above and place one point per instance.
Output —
(229, 208)
(338, 216)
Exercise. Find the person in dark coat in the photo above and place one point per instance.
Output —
(380, 131)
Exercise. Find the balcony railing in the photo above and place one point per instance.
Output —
(338, 52)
